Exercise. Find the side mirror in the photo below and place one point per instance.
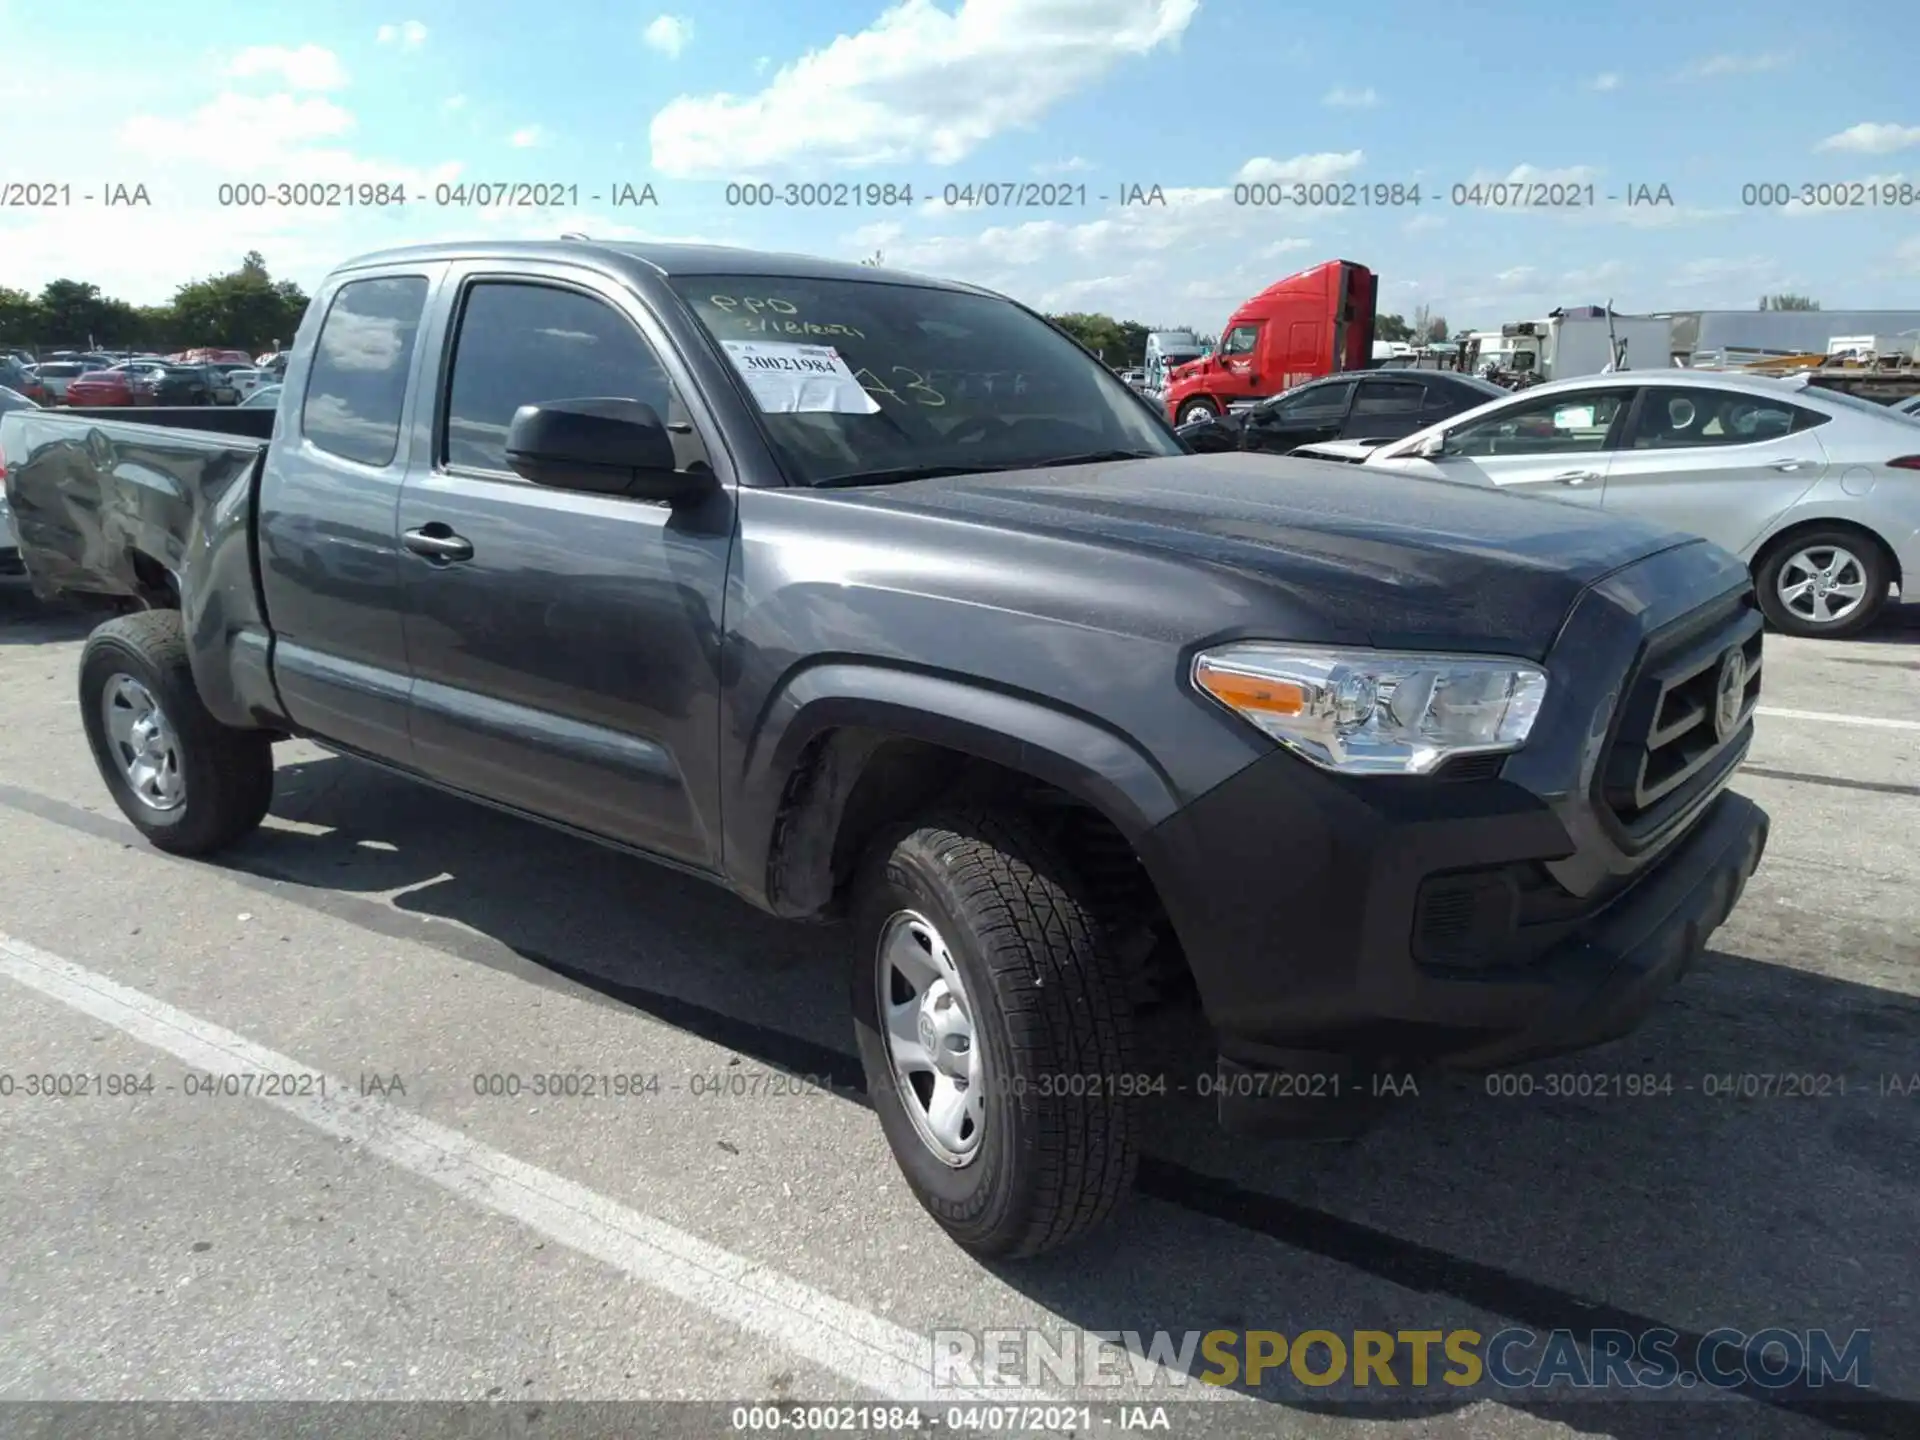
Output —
(604, 446)
(1434, 447)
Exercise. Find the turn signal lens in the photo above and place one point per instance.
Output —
(1261, 694)
(1906, 462)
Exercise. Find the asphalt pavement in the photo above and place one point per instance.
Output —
(300, 1157)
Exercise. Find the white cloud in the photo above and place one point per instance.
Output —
(1141, 254)
(920, 83)
(1422, 224)
(1307, 169)
(1907, 257)
(1597, 277)
(527, 137)
(408, 35)
(1537, 175)
(1342, 98)
(668, 34)
(1605, 81)
(1071, 165)
(1873, 139)
(454, 102)
(236, 132)
(306, 67)
(1715, 65)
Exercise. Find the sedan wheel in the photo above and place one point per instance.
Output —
(1826, 585)
(1823, 586)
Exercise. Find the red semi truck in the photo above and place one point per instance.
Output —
(1309, 324)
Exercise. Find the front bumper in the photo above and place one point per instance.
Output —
(1347, 926)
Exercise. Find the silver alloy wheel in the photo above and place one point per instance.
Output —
(926, 1023)
(1822, 583)
(143, 744)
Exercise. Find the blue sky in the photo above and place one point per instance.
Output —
(1193, 96)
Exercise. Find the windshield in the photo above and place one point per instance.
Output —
(862, 379)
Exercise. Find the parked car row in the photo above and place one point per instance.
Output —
(201, 377)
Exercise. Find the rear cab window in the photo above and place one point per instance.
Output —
(357, 382)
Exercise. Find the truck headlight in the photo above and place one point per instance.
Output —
(1374, 712)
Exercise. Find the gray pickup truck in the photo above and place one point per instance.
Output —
(875, 597)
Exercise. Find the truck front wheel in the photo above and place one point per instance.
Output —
(996, 1031)
(188, 783)
(1198, 408)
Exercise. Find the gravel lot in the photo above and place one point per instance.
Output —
(415, 1240)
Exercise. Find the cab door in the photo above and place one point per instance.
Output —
(565, 645)
(1239, 356)
(330, 558)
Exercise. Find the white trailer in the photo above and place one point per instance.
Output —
(1566, 346)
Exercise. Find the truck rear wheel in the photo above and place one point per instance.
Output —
(996, 1030)
(188, 783)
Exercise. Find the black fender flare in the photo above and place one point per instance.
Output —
(1024, 733)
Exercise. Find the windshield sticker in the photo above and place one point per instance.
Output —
(799, 379)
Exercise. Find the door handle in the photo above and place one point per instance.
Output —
(438, 543)
(1791, 465)
(1577, 477)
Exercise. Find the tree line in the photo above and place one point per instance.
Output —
(245, 309)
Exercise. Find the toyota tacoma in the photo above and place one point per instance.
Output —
(875, 598)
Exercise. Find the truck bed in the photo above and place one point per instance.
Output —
(112, 501)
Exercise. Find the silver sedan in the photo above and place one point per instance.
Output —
(1817, 491)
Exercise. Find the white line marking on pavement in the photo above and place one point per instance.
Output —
(840, 1338)
(1825, 717)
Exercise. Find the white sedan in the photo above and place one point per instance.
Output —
(1817, 491)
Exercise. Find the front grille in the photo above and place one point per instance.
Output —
(1673, 741)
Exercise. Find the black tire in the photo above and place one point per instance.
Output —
(1191, 410)
(1870, 558)
(1052, 1010)
(228, 773)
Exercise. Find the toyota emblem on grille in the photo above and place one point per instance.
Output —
(1730, 693)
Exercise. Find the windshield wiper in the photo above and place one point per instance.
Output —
(936, 472)
(1093, 457)
(900, 473)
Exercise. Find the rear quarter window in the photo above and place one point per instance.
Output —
(357, 384)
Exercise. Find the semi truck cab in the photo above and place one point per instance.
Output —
(1314, 323)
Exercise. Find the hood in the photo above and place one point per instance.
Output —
(1409, 562)
(1351, 451)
